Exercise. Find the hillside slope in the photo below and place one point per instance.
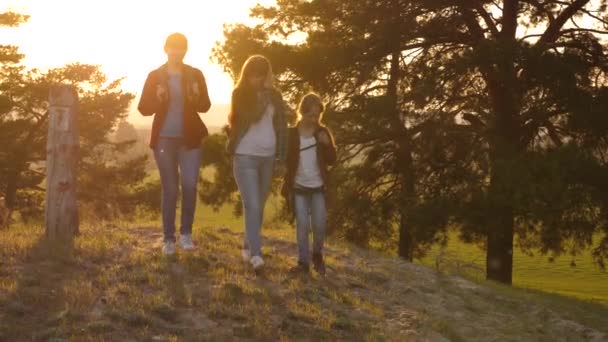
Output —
(115, 285)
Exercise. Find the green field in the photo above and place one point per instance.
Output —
(115, 285)
(585, 280)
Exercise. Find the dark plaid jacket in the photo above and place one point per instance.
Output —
(241, 120)
(326, 155)
(196, 100)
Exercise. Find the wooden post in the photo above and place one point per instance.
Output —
(4, 213)
(61, 209)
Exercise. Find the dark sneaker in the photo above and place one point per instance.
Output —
(186, 243)
(169, 248)
(300, 268)
(257, 262)
(246, 255)
(318, 263)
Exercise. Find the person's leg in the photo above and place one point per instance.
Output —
(302, 204)
(246, 174)
(190, 161)
(318, 215)
(166, 156)
(266, 168)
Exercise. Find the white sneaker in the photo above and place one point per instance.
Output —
(246, 254)
(257, 262)
(169, 248)
(185, 242)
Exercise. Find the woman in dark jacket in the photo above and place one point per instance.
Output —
(311, 150)
(175, 93)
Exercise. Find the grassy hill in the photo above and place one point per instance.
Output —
(115, 285)
(578, 277)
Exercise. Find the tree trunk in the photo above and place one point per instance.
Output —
(407, 241)
(504, 149)
(499, 254)
(404, 162)
(9, 200)
(61, 209)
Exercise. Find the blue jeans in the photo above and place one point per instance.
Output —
(170, 153)
(311, 214)
(253, 176)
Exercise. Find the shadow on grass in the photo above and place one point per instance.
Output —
(38, 307)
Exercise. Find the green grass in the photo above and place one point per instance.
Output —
(114, 285)
(584, 281)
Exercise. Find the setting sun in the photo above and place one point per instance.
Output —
(126, 38)
(381, 170)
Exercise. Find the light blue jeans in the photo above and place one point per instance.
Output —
(171, 154)
(311, 214)
(253, 176)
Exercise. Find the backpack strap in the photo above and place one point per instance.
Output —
(308, 147)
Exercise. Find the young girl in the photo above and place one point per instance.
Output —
(258, 140)
(175, 94)
(311, 151)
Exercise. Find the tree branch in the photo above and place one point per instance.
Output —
(487, 19)
(554, 135)
(472, 24)
(509, 19)
(552, 32)
(542, 9)
(582, 30)
(601, 20)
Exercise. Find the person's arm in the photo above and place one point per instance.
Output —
(149, 103)
(327, 146)
(282, 128)
(204, 103)
(233, 116)
(290, 114)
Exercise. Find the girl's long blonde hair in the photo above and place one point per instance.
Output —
(253, 66)
(307, 101)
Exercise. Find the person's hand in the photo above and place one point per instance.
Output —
(284, 190)
(194, 94)
(279, 169)
(195, 90)
(324, 138)
(161, 93)
(290, 114)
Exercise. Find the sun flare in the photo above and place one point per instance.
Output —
(125, 37)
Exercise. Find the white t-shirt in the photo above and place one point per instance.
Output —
(308, 174)
(260, 139)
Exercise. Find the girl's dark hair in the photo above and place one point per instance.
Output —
(309, 100)
(176, 40)
(256, 65)
(244, 96)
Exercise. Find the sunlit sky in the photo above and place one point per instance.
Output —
(125, 37)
